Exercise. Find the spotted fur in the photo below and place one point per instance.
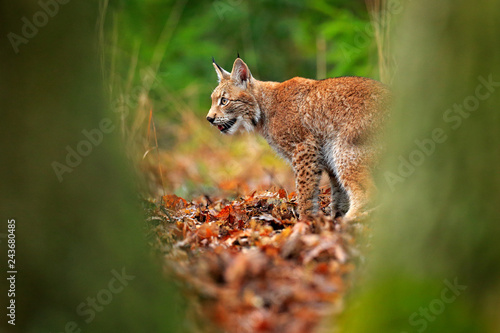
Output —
(327, 125)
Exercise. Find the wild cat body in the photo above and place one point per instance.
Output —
(316, 125)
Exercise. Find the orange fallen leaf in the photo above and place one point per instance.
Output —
(207, 230)
(171, 201)
(225, 213)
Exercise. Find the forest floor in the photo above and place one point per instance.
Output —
(244, 259)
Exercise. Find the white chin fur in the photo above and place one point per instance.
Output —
(242, 125)
(235, 127)
(248, 126)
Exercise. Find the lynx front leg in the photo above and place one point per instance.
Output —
(307, 178)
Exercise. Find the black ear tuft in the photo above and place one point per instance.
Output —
(220, 68)
(221, 73)
(238, 54)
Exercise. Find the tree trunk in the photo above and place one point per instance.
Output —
(435, 265)
(81, 258)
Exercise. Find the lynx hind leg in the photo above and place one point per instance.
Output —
(340, 200)
(307, 178)
(354, 175)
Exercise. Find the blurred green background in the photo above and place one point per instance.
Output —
(278, 39)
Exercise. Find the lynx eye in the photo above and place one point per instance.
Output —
(224, 101)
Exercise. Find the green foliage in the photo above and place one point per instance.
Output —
(278, 39)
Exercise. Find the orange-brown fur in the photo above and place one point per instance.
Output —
(327, 125)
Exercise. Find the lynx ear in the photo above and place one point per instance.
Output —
(241, 74)
(221, 73)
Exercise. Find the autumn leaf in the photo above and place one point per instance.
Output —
(207, 230)
(171, 201)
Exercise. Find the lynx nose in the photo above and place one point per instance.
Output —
(211, 119)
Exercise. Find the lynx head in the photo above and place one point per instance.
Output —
(233, 103)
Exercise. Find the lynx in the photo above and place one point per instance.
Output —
(316, 125)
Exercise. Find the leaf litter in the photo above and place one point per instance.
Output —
(250, 265)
